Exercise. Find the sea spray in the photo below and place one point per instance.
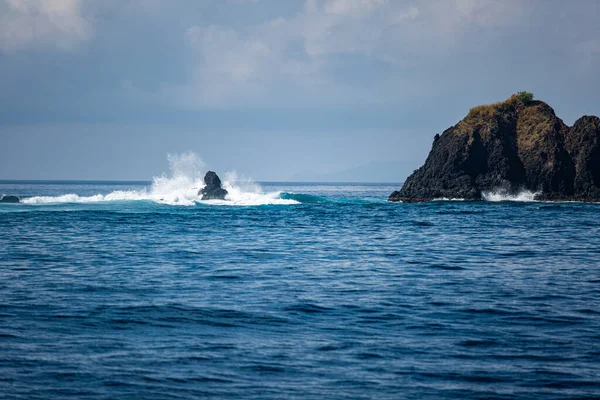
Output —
(503, 195)
(180, 188)
(182, 185)
(243, 191)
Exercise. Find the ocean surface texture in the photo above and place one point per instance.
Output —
(306, 291)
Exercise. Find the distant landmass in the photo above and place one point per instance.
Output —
(392, 172)
(513, 146)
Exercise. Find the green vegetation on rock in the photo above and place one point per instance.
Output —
(525, 97)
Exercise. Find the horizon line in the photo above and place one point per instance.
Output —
(120, 181)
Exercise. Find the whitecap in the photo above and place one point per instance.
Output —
(503, 195)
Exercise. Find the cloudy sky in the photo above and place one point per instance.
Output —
(104, 89)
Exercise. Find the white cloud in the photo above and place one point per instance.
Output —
(295, 55)
(42, 23)
(344, 26)
(228, 64)
(228, 55)
(488, 13)
(283, 56)
(450, 19)
(352, 7)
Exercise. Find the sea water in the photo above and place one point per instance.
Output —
(312, 291)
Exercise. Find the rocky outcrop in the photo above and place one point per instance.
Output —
(583, 144)
(213, 189)
(512, 146)
(9, 199)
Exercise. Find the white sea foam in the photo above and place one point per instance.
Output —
(448, 199)
(179, 188)
(243, 191)
(503, 195)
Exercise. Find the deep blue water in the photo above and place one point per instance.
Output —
(342, 295)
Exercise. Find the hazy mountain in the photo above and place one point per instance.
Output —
(394, 172)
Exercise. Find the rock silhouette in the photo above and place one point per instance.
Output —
(9, 199)
(213, 189)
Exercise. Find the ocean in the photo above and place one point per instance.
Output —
(310, 291)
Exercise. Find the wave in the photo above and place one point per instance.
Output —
(503, 195)
(304, 198)
(241, 199)
(180, 188)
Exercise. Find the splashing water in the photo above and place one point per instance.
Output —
(243, 191)
(503, 195)
(180, 188)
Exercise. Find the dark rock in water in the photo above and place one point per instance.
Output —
(583, 144)
(512, 146)
(10, 199)
(213, 189)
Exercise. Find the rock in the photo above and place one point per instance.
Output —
(515, 145)
(583, 144)
(213, 189)
(10, 199)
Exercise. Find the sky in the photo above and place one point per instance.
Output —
(275, 90)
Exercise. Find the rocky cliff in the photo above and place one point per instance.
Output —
(515, 145)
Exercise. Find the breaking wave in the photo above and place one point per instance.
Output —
(503, 195)
(180, 188)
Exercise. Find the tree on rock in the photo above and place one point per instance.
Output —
(525, 97)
